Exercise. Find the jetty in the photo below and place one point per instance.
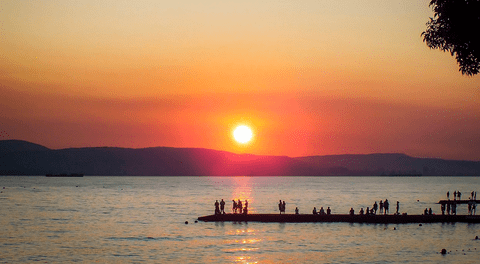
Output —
(444, 202)
(311, 218)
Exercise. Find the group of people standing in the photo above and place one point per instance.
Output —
(383, 207)
(458, 194)
(237, 207)
(450, 207)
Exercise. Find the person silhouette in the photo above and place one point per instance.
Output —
(217, 210)
(222, 206)
(239, 205)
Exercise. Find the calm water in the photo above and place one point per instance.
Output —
(142, 219)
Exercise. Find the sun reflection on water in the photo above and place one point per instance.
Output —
(243, 191)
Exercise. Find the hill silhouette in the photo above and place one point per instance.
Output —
(24, 158)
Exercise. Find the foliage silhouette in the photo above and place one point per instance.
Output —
(454, 28)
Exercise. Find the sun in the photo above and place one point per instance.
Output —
(242, 134)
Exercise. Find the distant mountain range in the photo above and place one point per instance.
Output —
(24, 158)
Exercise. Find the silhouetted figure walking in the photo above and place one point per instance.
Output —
(222, 206)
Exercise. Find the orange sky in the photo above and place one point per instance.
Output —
(310, 78)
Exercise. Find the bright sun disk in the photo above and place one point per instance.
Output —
(242, 134)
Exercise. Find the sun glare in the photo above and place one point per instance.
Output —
(242, 134)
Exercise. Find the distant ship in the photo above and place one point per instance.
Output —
(65, 175)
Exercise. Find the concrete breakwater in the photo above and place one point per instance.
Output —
(298, 218)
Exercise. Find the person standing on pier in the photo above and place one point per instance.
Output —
(234, 207)
(352, 212)
(222, 206)
(283, 206)
(459, 194)
(454, 195)
(430, 211)
(280, 206)
(329, 211)
(239, 205)
(448, 195)
(398, 207)
(296, 210)
(386, 205)
(381, 206)
(314, 211)
(217, 210)
(375, 207)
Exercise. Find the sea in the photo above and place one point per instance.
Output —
(95, 219)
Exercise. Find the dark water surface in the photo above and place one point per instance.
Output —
(142, 220)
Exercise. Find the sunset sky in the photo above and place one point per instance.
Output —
(313, 77)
